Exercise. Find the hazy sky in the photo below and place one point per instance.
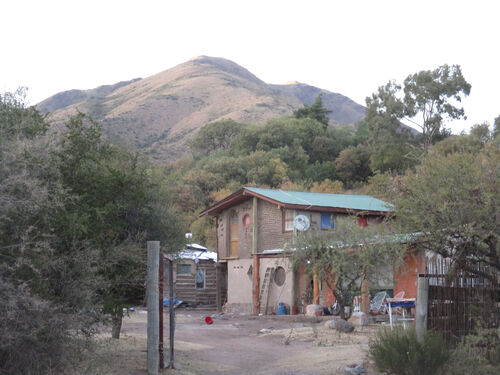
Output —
(349, 47)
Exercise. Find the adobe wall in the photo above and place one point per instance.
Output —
(405, 278)
(277, 293)
(239, 286)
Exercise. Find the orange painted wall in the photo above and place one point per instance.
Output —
(405, 278)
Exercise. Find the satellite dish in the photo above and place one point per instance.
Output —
(301, 223)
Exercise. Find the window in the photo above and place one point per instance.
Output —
(362, 221)
(183, 269)
(289, 216)
(200, 279)
(247, 220)
(327, 221)
(279, 276)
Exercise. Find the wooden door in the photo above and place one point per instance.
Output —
(234, 235)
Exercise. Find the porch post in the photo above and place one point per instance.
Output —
(315, 289)
(218, 286)
(365, 295)
(256, 263)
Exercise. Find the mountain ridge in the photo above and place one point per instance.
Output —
(161, 113)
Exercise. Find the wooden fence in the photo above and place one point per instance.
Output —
(460, 302)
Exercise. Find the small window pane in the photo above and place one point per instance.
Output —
(200, 279)
(327, 221)
(183, 268)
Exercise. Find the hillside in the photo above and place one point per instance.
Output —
(161, 113)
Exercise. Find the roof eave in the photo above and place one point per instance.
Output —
(336, 209)
(244, 194)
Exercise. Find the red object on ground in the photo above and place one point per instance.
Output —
(208, 320)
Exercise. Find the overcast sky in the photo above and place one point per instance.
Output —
(349, 47)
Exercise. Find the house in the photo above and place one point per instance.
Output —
(253, 224)
(194, 276)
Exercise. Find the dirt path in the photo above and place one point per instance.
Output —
(239, 344)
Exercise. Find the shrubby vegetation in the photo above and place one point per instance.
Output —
(399, 352)
(75, 215)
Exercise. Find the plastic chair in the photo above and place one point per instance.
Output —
(377, 302)
(400, 295)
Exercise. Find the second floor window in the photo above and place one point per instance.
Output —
(289, 216)
(327, 222)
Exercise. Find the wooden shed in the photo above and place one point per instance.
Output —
(195, 276)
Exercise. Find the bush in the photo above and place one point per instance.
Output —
(36, 336)
(399, 352)
(478, 354)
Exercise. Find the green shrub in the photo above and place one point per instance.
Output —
(478, 354)
(399, 352)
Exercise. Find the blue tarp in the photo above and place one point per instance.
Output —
(166, 302)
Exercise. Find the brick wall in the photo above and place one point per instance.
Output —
(269, 224)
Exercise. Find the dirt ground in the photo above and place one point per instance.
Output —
(237, 344)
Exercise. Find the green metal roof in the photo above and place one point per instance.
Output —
(347, 201)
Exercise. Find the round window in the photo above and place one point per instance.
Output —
(247, 220)
(279, 276)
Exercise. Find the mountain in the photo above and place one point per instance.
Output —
(161, 113)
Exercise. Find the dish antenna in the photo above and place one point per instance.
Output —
(301, 223)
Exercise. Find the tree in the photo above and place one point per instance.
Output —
(496, 127)
(115, 208)
(353, 165)
(216, 136)
(315, 111)
(453, 202)
(427, 94)
(43, 293)
(343, 257)
(426, 99)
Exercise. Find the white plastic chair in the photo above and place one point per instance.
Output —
(377, 302)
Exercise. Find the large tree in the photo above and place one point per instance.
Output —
(116, 207)
(425, 99)
(316, 111)
(342, 257)
(453, 202)
(429, 96)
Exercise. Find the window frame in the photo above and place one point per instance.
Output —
(287, 220)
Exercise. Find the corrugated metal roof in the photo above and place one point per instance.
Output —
(347, 201)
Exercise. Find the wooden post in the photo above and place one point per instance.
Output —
(160, 309)
(255, 233)
(365, 295)
(171, 310)
(152, 301)
(256, 285)
(315, 289)
(256, 261)
(218, 286)
(421, 307)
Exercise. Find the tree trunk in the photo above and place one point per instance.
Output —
(117, 326)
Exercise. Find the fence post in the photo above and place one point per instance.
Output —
(171, 310)
(152, 293)
(422, 306)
